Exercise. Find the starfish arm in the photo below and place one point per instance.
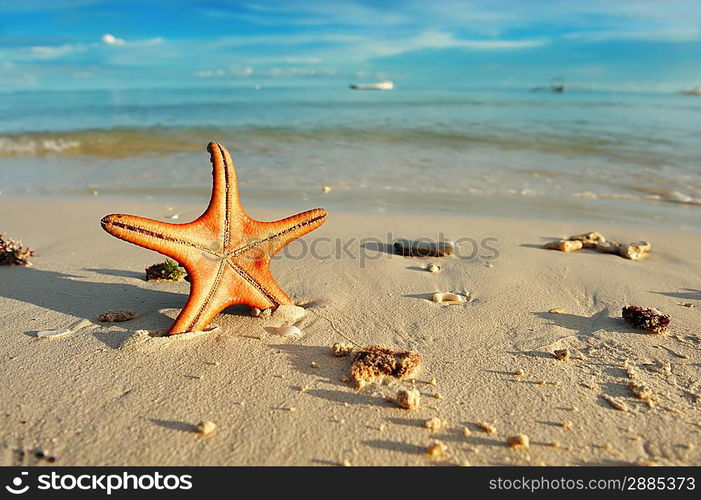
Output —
(224, 213)
(204, 302)
(275, 235)
(173, 240)
(262, 291)
(213, 289)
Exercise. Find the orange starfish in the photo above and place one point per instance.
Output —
(225, 252)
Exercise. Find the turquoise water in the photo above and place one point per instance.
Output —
(584, 154)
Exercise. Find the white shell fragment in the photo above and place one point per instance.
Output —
(448, 298)
(287, 331)
(53, 334)
(433, 268)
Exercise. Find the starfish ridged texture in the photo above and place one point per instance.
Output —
(225, 252)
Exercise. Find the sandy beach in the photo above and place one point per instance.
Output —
(105, 395)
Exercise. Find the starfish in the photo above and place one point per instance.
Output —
(225, 252)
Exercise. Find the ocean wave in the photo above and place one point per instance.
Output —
(124, 142)
(111, 143)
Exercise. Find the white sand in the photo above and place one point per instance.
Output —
(105, 395)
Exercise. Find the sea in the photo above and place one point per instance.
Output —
(584, 155)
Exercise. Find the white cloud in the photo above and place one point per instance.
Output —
(110, 39)
(47, 52)
(303, 60)
(234, 71)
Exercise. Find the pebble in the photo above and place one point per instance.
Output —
(325, 189)
(433, 268)
(519, 441)
(434, 424)
(448, 298)
(487, 427)
(341, 349)
(562, 354)
(437, 450)
(206, 428)
(408, 399)
(424, 248)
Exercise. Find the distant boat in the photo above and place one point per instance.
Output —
(558, 88)
(692, 91)
(386, 85)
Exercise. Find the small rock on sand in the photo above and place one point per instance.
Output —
(408, 399)
(433, 268)
(487, 427)
(437, 450)
(518, 441)
(448, 298)
(116, 316)
(434, 424)
(260, 313)
(424, 248)
(341, 349)
(564, 245)
(206, 428)
(562, 354)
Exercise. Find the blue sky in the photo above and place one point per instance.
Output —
(631, 45)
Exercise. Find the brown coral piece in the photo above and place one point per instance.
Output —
(116, 316)
(562, 354)
(649, 320)
(375, 362)
(636, 250)
(564, 245)
(608, 247)
(589, 240)
(12, 253)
